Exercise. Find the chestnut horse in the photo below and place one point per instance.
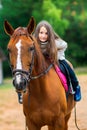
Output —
(44, 97)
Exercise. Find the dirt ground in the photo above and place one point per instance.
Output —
(12, 118)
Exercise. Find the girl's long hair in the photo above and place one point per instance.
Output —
(52, 50)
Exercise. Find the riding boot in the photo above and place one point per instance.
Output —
(20, 98)
(77, 95)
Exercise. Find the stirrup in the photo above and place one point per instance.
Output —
(72, 92)
(71, 89)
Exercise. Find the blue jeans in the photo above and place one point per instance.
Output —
(72, 75)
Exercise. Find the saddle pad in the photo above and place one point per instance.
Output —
(62, 77)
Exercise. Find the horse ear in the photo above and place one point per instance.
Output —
(31, 25)
(8, 28)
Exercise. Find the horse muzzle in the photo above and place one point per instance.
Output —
(20, 82)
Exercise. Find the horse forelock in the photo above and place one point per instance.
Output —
(20, 31)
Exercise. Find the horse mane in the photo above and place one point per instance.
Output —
(40, 59)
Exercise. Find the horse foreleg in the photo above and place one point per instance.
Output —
(58, 124)
(66, 121)
(57, 127)
(50, 127)
(32, 126)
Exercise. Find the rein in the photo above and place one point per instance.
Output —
(43, 73)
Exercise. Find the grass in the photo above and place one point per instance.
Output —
(81, 70)
(7, 84)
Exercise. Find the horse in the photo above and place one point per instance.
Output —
(44, 97)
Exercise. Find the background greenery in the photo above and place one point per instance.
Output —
(68, 18)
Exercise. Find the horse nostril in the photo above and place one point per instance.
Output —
(20, 84)
(14, 84)
(24, 82)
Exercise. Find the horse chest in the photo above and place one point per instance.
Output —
(40, 113)
(42, 116)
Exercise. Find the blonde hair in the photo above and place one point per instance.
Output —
(52, 50)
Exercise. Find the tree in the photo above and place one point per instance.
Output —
(76, 32)
(17, 13)
(53, 14)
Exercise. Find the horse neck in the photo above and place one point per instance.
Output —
(38, 87)
(39, 84)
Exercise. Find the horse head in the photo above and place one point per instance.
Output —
(23, 49)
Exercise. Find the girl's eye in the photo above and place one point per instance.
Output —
(44, 33)
(41, 32)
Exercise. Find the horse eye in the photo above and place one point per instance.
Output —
(31, 48)
(8, 50)
(11, 66)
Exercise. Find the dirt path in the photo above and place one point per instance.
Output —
(12, 118)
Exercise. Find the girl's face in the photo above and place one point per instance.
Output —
(43, 34)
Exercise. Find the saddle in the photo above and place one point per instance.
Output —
(62, 77)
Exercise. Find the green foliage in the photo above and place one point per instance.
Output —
(76, 32)
(18, 13)
(54, 15)
(7, 84)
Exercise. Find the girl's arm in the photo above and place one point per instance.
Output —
(61, 44)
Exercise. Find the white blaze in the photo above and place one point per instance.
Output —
(18, 64)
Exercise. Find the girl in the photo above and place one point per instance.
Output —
(54, 47)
